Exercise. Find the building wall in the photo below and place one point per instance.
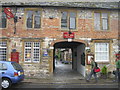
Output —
(80, 68)
(50, 29)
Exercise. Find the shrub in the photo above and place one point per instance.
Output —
(104, 70)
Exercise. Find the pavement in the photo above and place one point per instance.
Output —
(69, 81)
(65, 75)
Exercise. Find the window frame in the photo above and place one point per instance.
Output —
(4, 48)
(32, 52)
(108, 51)
(68, 20)
(33, 18)
(101, 21)
(1, 19)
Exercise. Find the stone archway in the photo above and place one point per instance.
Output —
(61, 41)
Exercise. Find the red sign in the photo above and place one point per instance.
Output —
(15, 56)
(68, 35)
(8, 13)
(117, 55)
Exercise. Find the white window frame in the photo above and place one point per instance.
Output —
(100, 51)
(3, 47)
(32, 52)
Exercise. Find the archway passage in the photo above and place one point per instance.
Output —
(69, 58)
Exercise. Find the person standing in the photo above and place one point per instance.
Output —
(56, 58)
(117, 74)
(93, 65)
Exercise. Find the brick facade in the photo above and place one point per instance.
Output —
(51, 29)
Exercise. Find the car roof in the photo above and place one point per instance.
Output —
(7, 62)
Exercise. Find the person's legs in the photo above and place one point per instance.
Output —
(118, 75)
(95, 75)
(90, 75)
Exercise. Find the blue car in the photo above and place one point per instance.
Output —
(11, 73)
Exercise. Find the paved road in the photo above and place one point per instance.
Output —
(65, 78)
(62, 85)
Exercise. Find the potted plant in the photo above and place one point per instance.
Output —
(104, 72)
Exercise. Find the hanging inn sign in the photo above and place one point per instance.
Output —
(8, 13)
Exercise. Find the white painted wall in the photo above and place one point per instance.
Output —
(80, 68)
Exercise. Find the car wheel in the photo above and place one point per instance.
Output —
(6, 83)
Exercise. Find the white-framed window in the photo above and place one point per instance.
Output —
(102, 52)
(32, 51)
(3, 50)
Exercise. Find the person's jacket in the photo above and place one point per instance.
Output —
(118, 64)
(93, 65)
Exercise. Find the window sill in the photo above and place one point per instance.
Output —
(68, 30)
(31, 62)
(102, 30)
(3, 28)
(103, 62)
(34, 29)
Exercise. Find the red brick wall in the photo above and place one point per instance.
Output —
(51, 28)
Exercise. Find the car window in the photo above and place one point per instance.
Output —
(17, 66)
(3, 66)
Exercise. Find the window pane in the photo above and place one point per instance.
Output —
(97, 21)
(16, 66)
(104, 15)
(104, 21)
(36, 52)
(72, 15)
(104, 24)
(102, 51)
(37, 19)
(29, 19)
(36, 55)
(1, 66)
(3, 51)
(27, 55)
(28, 51)
(4, 67)
(72, 20)
(28, 44)
(64, 20)
(72, 23)
(32, 51)
(3, 20)
(36, 44)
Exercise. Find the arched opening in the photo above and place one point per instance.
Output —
(69, 57)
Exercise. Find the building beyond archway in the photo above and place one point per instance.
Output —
(77, 55)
